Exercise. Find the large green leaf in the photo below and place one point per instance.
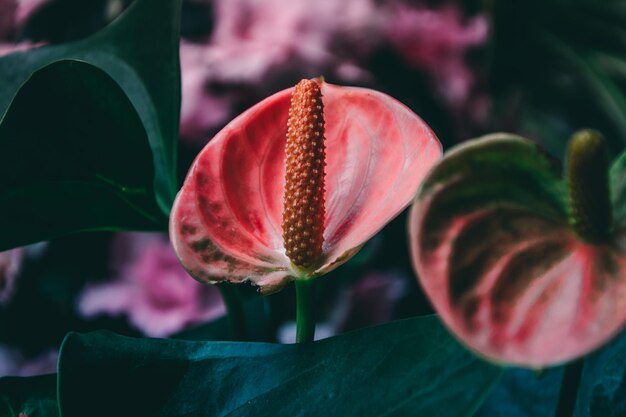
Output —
(34, 396)
(410, 367)
(74, 157)
(88, 129)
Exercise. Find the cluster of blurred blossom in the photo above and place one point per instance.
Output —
(259, 47)
(254, 48)
(150, 288)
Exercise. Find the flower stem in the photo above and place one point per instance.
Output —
(234, 308)
(569, 389)
(305, 311)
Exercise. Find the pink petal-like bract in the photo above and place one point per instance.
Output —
(494, 252)
(226, 221)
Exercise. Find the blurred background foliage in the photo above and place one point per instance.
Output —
(539, 68)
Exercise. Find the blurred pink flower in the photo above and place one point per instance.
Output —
(259, 47)
(275, 31)
(200, 109)
(13, 15)
(151, 289)
(7, 48)
(25, 9)
(10, 262)
(437, 41)
(7, 17)
(15, 363)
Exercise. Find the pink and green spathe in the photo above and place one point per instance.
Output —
(523, 266)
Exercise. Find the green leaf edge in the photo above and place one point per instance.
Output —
(105, 183)
(472, 407)
(165, 183)
(459, 161)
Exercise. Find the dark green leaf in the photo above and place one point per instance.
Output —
(88, 129)
(602, 391)
(410, 367)
(524, 393)
(74, 158)
(561, 60)
(34, 396)
(604, 92)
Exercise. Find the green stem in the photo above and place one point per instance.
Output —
(305, 311)
(569, 389)
(234, 308)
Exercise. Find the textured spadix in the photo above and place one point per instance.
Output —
(502, 265)
(226, 221)
(304, 211)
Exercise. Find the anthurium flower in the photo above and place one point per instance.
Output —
(523, 266)
(240, 207)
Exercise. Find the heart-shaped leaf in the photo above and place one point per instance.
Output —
(88, 129)
(494, 251)
(410, 367)
(58, 173)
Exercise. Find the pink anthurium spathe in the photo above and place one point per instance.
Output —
(227, 221)
(523, 266)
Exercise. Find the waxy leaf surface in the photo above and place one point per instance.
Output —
(494, 252)
(226, 221)
(524, 393)
(410, 367)
(602, 391)
(88, 129)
